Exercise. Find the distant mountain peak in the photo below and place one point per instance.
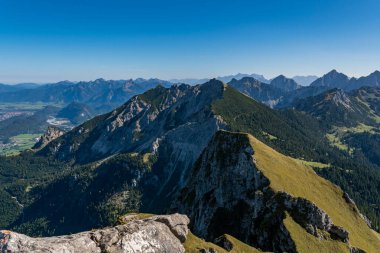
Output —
(305, 80)
(332, 79)
(284, 83)
(281, 77)
(249, 79)
(375, 73)
(335, 73)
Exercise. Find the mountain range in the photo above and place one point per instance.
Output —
(104, 95)
(230, 163)
(101, 95)
(302, 177)
(334, 79)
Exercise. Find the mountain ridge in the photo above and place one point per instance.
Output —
(239, 173)
(137, 158)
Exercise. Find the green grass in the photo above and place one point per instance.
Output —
(19, 143)
(306, 242)
(336, 136)
(269, 136)
(289, 175)
(194, 244)
(373, 115)
(154, 96)
(287, 131)
(317, 165)
(337, 142)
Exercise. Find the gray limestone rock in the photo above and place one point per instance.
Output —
(227, 194)
(158, 234)
(51, 134)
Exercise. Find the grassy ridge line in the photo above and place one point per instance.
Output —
(194, 244)
(289, 175)
(306, 242)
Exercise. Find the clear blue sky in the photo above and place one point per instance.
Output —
(50, 40)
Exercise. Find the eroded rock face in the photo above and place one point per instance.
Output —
(156, 234)
(51, 134)
(310, 216)
(228, 194)
(223, 242)
(174, 124)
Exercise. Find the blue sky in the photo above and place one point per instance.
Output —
(51, 40)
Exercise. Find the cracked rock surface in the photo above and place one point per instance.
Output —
(162, 233)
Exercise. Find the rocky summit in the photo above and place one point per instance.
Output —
(241, 187)
(157, 234)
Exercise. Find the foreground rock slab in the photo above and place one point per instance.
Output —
(157, 234)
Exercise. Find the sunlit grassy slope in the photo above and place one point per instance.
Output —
(306, 242)
(193, 244)
(298, 179)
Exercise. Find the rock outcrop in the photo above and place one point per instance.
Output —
(161, 234)
(228, 194)
(51, 134)
(174, 124)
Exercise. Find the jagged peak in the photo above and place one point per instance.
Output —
(332, 79)
(238, 172)
(375, 73)
(246, 79)
(213, 84)
(251, 79)
(334, 73)
(284, 83)
(214, 81)
(100, 80)
(280, 77)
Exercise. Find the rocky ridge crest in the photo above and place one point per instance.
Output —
(158, 234)
(227, 193)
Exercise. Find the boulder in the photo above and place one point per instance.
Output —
(223, 242)
(340, 232)
(177, 224)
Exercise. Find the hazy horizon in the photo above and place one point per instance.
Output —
(171, 79)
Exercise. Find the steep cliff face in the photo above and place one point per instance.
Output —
(232, 190)
(165, 233)
(174, 125)
(141, 123)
